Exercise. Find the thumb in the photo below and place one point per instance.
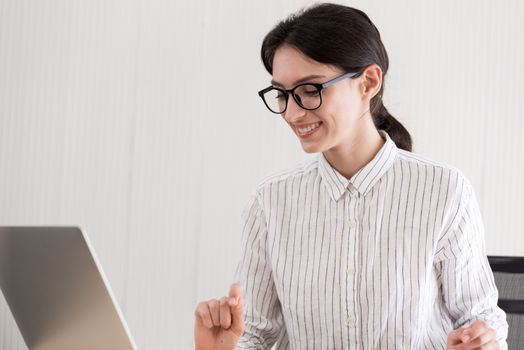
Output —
(236, 302)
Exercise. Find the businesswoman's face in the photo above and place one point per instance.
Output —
(345, 104)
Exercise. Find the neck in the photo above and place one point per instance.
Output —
(350, 157)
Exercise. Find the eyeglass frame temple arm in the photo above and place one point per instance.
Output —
(337, 79)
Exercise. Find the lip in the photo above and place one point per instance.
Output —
(309, 133)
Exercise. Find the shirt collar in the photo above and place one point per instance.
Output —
(365, 178)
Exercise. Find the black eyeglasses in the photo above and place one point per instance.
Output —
(307, 95)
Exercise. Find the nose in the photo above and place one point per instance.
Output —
(293, 111)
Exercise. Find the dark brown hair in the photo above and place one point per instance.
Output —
(343, 37)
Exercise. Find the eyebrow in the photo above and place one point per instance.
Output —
(301, 80)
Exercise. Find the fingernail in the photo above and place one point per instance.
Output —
(232, 301)
(465, 339)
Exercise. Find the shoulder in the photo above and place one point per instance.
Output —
(272, 182)
(412, 158)
(437, 171)
(288, 176)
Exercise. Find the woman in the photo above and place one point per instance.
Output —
(368, 246)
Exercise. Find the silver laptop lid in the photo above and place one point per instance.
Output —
(57, 291)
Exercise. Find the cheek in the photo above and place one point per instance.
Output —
(342, 113)
(336, 119)
(336, 107)
(343, 102)
(337, 126)
(331, 126)
(336, 114)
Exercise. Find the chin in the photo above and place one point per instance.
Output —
(312, 148)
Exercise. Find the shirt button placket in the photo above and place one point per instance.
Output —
(352, 292)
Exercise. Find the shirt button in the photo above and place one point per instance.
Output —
(350, 270)
(352, 189)
(350, 322)
(352, 225)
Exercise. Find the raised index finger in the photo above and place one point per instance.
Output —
(235, 294)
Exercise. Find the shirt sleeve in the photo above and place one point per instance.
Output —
(262, 316)
(465, 276)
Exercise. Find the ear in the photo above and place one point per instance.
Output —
(371, 82)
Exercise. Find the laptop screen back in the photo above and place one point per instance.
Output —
(57, 292)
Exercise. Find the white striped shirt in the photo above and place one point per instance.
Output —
(393, 258)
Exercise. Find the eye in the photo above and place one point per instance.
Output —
(307, 90)
(313, 92)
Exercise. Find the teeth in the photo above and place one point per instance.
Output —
(309, 128)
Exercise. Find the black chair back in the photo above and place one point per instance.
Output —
(509, 278)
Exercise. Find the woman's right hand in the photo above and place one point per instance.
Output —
(220, 323)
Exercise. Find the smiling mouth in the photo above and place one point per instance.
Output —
(308, 130)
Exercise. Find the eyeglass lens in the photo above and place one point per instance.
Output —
(307, 96)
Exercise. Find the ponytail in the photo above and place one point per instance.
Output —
(383, 120)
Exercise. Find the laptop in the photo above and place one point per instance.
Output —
(57, 291)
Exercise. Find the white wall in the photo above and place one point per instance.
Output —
(140, 122)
